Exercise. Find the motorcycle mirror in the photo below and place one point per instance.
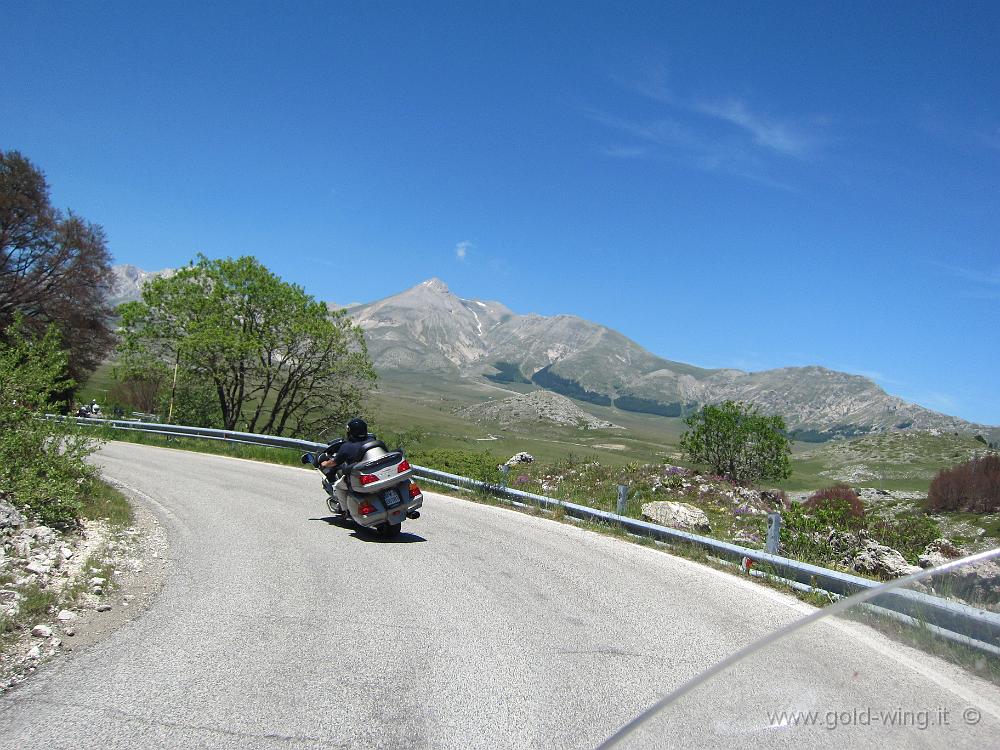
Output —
(307, 458)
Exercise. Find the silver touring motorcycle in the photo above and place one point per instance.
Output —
(376, 492)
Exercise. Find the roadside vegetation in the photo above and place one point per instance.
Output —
(51, 500)
(42, 468)
(972, 487)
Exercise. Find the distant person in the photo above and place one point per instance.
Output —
(95, 408)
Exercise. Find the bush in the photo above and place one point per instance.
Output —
(839, 497)
(973, 486)
(910, 535)
(806, 527)
(42, 464)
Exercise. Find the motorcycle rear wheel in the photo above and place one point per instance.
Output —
(389, 530)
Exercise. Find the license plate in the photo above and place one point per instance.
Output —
(391, 498)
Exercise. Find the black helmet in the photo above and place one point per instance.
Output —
(357, 428)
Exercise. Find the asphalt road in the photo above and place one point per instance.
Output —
(479, 627)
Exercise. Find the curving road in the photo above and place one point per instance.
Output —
(480, 627)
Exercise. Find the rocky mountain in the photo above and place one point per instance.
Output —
(429, 328)
(129, 281)
(537, 406)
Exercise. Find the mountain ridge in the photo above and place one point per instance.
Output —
(429, 328)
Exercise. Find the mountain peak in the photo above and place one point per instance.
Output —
(435, 285)
(129, 280)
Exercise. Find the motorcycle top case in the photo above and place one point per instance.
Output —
(379, 473)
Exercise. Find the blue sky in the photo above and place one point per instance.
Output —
(747, 185)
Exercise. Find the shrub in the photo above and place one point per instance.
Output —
(839, 497)
(973, 486)
(42, 463)
(806, 528)
(909, 535)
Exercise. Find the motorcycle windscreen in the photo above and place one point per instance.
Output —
(853, 674)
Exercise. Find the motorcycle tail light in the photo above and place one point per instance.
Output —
(366, 508)
(368, 479)
(414, 490)
(404, 466)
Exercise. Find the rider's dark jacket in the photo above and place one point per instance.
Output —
(350, 452)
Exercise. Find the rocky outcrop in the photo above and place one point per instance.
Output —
(977, 584)
(938, 553)
(884, 562)
(864, 555)
(682, 516)
(10, 517)
(519, 458)
(37, 558)
(534, 407)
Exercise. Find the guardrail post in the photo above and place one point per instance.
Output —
(622, 498)
(504, 471)
(773, 532)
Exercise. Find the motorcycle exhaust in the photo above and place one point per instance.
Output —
(413, 514)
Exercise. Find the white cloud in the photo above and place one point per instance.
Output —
(977, 284)
(462, 249)
(718, 135)
(671, 140)
(784, 137)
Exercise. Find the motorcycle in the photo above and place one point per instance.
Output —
(376, 492)
(90, 411)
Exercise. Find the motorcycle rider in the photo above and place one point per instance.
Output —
(351, 451)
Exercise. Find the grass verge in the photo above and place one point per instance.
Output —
(105, 503)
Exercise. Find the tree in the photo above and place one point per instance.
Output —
(737, 442)
(140, 389)
(42, 466)
(277, 360)
(54, 268)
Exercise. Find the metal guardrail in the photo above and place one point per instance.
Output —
(974, 626)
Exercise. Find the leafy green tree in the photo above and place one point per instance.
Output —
(195, 402)
(277, 360)
(42, 467)
(737, 442)
(54, 268)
